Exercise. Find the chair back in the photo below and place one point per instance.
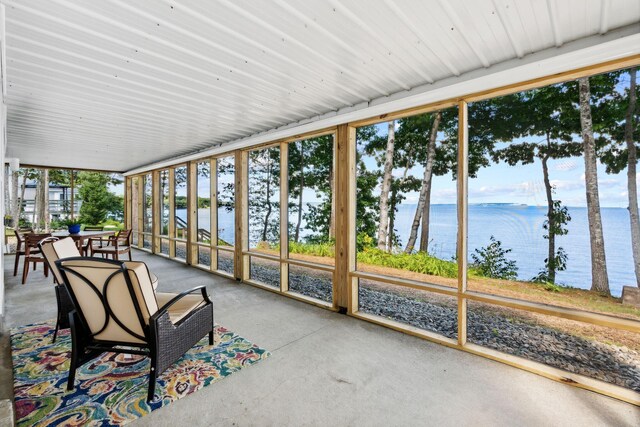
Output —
(31, 241)
(93, 228)
(54, 249)
(20, 233)
(123, 237)
(115, 299)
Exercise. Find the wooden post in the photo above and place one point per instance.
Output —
(73, 207)
(140, 209)
(284, 216)
(192, 213)
(172, 212)
(213, 213)
(127, 201)
(345, 288)
(156, 217)
(241, 262)
(463, 176)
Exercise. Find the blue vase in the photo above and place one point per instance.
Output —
(74, 229)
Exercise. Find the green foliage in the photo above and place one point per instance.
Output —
(315, 249)
(491, 261)
(97, 202)
(419, 262)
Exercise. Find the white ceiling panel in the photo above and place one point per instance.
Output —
(116, 84)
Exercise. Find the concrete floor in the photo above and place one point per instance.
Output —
(330, 369)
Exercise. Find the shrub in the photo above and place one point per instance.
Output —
(491, 261)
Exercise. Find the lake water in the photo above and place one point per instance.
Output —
(519, 228)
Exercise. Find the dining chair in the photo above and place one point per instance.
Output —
(20, 233)
(114, 247)
(32, 254)
(85, 248)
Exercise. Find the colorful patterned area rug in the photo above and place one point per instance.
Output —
(112, 389)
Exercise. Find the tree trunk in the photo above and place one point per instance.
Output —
(551, 270)
(332, 219)
(46, 218)
(15, 202)
(265, 227)
(426, 214)
(39, 204)
(425, 191)
(386, 186)
(599, 276)
(23, 190)
(301, 188)
(392, 217)
(7, 195)
(632, 187)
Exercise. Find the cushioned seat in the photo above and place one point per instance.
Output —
(181, 308)
(117, 309)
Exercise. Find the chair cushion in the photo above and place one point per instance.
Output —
(106, 249)
(143, 288)
(53, 251)
(182, 307)
(116, 294)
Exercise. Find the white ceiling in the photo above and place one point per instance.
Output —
(116, 84)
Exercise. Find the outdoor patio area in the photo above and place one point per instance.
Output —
(329, 369)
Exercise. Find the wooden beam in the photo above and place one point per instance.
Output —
(157, 212)
(345, 289)
(241, 262)
(73, 207)
(463, 178)
(172, 212)
(213, 213)
(192, 213)
(284, 216)
(127, 201)
(140, 209)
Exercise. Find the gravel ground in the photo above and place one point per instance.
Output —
(496, 328)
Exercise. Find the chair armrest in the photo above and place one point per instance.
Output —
(165, 308)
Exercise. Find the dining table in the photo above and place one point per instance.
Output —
(82, 236)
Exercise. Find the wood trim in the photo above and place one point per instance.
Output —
(556, 311)
(73, 205)
(406, 283)
(422, 109)
(157, 212)
(575, 380)
(140, 209)
(408, 329)
(307, 264)
(213, 213)
(172, 212)
(49, 167)
(463, 235)
(192, 213)
(241, 262)
(261, 255)
(225, 248)
(547, 371)
(284, 216)
(604, 67)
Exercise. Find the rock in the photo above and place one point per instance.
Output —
(631, 296)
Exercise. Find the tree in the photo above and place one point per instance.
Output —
(386, 187)
(545, 113)
(599, 276)
(424, 199)
(42, 218)
(619, 140)
(97, 201)
(264, 182)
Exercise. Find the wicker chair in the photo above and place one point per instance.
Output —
(114, 246)
(54, 249)
(118, 311)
